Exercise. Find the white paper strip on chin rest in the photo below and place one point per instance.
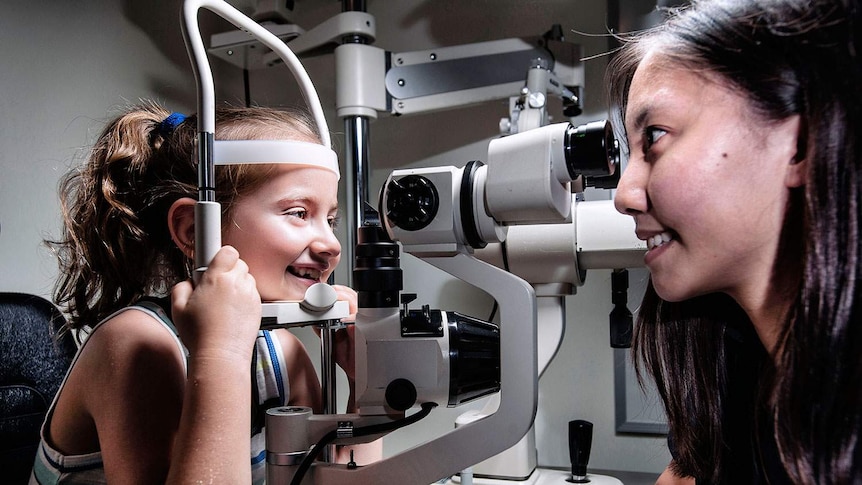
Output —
(236, 152)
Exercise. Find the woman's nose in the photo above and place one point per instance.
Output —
(631, 196)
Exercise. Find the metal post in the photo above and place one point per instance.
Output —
(327, 375)
(356, 160)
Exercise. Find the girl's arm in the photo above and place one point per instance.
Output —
(150, 421)
(218, 321)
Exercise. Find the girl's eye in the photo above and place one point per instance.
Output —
(651, 136)
(300, 213)
(333, 221)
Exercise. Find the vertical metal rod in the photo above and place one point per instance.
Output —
(356, 188)
(356, 161)
(353, 6)
(327, 372)
(327, 336)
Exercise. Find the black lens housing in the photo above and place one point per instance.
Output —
(474, 358)
(377, 275)
(591, 150)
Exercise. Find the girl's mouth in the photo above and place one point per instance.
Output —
(306, 273)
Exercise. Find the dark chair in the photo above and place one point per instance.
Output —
(33, 362)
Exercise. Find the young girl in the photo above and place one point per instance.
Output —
(145, 401)
(745, 179)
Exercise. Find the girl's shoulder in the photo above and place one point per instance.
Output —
(132, 341)
(135, 326)
(128, 368)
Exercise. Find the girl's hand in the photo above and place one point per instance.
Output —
(343, 345)
(349, 295)
(220, 317)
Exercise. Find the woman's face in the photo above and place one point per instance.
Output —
(706, 182)
(284, 231)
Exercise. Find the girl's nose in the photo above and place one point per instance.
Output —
(325, 242)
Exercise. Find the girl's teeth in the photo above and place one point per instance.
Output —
(305, 273)
(658, 240)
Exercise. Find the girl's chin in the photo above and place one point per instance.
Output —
(296, 292)
(289, 288)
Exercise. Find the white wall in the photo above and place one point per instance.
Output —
(68, 66)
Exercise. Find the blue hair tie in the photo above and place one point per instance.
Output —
(169, 124)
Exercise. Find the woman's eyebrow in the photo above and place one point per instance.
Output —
(640, 118)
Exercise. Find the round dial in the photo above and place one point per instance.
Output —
(411, 202)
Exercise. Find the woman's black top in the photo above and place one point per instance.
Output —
(751, 456)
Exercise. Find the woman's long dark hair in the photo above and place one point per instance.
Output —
(787, 57)
(116, 247)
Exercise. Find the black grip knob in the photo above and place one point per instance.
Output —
(411, 202)
(621, 320)
(580, 442)
(400, 394)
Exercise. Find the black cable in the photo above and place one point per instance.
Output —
(246, 88)
(329, 437)
(493, 312)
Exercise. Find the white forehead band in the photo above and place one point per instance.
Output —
(237, 152)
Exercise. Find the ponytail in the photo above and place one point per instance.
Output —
(116, 247)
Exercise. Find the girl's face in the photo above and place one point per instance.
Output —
(706, 183)
(284, 231)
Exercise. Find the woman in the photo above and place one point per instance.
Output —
(742, 119)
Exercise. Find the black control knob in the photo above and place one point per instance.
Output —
(580, 442)
(411, 202)
(400, 394)
(621, 320)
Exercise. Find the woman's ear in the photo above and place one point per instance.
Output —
(181, 224)
(797, 170)
(797, 173)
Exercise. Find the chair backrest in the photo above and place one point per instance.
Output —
(33, 362)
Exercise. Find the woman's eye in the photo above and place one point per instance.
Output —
(333, 221)
(651, 136)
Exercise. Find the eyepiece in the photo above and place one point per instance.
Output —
(591, 150)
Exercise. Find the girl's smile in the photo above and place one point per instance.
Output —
(284, 231)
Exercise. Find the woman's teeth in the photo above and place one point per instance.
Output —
(657, 240)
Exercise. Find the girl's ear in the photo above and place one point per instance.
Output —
(181, 224)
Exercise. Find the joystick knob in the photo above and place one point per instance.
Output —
(580, 442)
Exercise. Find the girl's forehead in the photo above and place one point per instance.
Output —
(298, 181)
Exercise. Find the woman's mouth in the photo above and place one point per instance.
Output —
(658, 240)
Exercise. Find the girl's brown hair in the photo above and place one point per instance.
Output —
(115, 246)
